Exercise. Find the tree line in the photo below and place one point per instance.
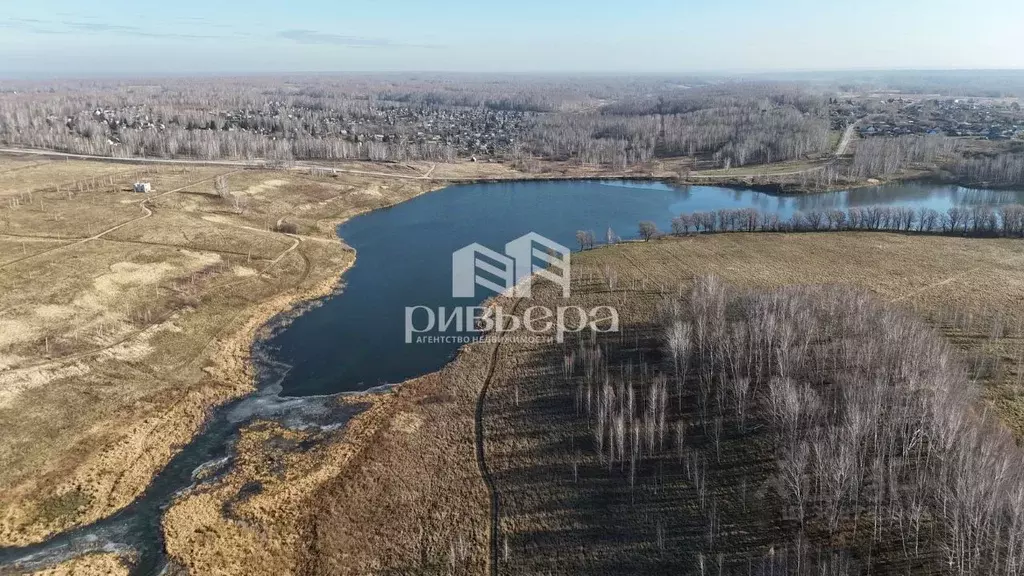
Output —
(878, 157)
(1000, 170)
(979, 220)
(862, 417)
(733, 129)
(379, 117)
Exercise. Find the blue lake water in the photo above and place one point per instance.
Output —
(356, 340)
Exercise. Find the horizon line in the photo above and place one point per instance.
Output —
(42, 75)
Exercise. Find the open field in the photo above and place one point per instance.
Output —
(19, 174)
(405, 493)
(565, 510)
(125, 317)
(376, 481)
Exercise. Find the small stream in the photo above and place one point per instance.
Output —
(355, 342)
(135, 531)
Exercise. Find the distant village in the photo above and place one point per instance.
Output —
(468, 130)
(738, 127)
(991, 119)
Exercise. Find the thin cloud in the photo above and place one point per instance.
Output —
(313, 37)
(99, 27)
(26, 25)
(303, 36)
(78, 27)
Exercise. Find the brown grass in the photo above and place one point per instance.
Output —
(556, 524)
(413, 516)
(408, 496)
(19, 175)
(115, 346)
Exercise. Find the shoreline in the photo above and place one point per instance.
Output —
(231, 363)
(335, 453)
(744, 182)
(228, 363)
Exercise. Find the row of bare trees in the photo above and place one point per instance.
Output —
(419, 118)
(878, 157)
(735, 129)
(876, 438)
(856, 423)
(976, 220)
(176, 142)
(1000, 170)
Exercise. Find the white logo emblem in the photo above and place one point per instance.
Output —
(508, 273)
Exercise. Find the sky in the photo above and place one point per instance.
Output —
(41, 38)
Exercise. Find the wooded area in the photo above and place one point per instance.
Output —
(608, 121)
(978, 220)
(877, 460)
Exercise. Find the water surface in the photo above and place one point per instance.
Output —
(356, 340)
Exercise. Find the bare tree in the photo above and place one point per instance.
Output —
(647, 230)
(585, 239)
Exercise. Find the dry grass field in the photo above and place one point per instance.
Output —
(402, 492)
(563, 511)
(125, 317)
(389, 509)
(19, 175)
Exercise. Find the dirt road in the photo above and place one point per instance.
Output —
(230, 163)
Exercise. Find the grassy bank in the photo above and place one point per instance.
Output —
(404, 492)
(127, 317)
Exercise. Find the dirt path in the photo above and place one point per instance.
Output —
(844, 142)
(142, 204)
(840, 150)
(481, 457)
(25, 167)
(424, 176)
(231, 163)
(920, 291)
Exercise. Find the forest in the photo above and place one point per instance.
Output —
(607, 121)
(977, 221)
(611, 122)
(816, 430)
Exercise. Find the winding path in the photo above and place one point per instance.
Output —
(142, 204)
(481, 457)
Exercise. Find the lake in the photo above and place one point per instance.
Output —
(356, 340)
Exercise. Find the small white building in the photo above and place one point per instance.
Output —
(143, 187)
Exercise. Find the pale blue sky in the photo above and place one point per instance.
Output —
(61, 37)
